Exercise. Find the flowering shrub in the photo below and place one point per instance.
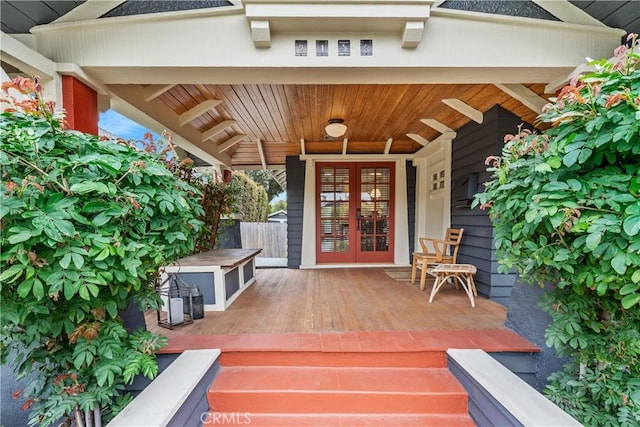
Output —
(85, 225)
(566, 210)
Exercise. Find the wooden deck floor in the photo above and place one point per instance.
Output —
(336, 300)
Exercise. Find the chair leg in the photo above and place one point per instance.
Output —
(413, 270)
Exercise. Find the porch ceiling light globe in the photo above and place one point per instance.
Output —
(336, 128)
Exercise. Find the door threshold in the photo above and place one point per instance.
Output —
(363, 265)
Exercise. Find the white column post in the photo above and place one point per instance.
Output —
(308, 256)
(401, 236)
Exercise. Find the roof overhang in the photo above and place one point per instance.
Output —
(219, 46)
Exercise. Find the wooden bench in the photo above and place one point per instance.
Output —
(221, 275)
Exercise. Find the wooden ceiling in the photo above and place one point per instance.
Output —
(281, 115)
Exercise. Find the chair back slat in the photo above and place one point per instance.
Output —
(453, 236)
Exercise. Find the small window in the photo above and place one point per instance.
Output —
(437, 180)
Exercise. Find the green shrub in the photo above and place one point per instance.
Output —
(249, 199)
(566, 210)
(85, 225)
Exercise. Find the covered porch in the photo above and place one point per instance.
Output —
(341, 300)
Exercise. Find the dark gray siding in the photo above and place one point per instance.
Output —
(525, 317)
(411, 204)
(473, 144)
(295, 209)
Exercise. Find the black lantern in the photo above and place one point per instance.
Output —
(194, 303)
(173, 291)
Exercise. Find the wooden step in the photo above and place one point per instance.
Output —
(400, 359)
(338, 420)
(289, 389)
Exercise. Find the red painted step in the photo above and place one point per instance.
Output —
(388, 359)
(338, 420)
(344, 390)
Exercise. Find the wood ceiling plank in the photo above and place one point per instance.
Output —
(286, 114)
(338, 99)
(290, 93)
(413, 102)
(195, 93)
(264, 115)
(280, 128)
(325, 109)
(350, 96)
(359, 117)
(170, 100)
(184, 98)
(304, 99)
(252, 107)
(392, 97)
(315, 108)
(237, 110)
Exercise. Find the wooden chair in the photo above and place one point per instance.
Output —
(435, 252)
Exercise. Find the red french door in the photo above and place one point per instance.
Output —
(355, 212)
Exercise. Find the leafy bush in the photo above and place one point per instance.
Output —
(85, 225)
(249, 199)
(566, 210)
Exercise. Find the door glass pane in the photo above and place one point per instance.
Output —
(375, 191)
(334, 209)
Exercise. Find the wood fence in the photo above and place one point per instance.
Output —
(270, 236)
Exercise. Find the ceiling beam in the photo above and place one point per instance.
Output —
(279, 178)
(387, 146)
(192, 114)
(465, 109)
(263, 159)
(253, 167)
(525, 95)
(434, 124)
(417, 138)
(151, 92)
(231, 142)
(210, 133)
(157, 116)
(27, 60)
(344, 146)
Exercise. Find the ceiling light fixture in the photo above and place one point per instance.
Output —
(336, 128)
